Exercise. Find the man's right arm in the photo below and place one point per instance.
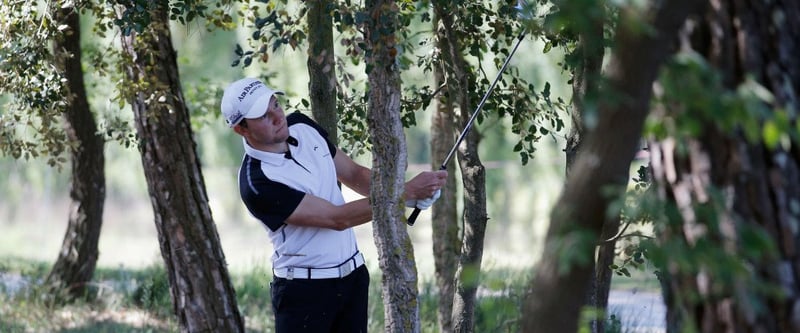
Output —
(314, 211)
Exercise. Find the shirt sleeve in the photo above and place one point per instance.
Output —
(269, 201)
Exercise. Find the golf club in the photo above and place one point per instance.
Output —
(413, 217)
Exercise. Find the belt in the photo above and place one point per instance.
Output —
(338, 271)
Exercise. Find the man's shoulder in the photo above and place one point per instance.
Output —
(297, 117)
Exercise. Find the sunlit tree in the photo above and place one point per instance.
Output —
(203, 298)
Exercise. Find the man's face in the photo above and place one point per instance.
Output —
(268, 132)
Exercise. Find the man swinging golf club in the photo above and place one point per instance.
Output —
(288, 181)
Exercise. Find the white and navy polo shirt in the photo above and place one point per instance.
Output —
(273, 184)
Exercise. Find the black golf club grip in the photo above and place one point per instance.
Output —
(413, 217)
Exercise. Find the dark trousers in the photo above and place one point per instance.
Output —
(321, 305)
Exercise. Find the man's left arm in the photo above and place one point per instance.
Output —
(357, 177)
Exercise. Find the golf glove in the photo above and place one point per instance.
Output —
(424, 204)
(411, 203)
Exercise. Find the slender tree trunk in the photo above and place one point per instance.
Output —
(473, 177)
(590, 50)
(752, 187)
(601, 286)
(202, 294)
(389, 163)
(321, 67)
(77, 258)
(558, 288)
(475, 218)
(446, 241)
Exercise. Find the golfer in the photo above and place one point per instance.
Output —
(288, 181)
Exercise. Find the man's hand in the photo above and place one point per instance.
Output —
(424, 185)
(424, 204)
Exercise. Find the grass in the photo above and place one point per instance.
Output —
(138, 300)
(119, 301)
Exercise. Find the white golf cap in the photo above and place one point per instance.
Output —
(246, 98)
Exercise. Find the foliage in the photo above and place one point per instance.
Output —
(152, 292)
(35, 92)
(533, 114)
(500, 300)
(693, 95)
(281, 23)
(638, 204)
(729, 265)
(135, 15)
(614, 325)
(30, 82)
(488, 32)
(253, 295)
(24, 307)
(691, 101)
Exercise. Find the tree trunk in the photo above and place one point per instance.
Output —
(321, 67)
(473, 178)
(445, 228)
(389, 163)
(590, 52)
(77, 259)
(557, 291)
(600, 287)
(475, 217)
(751, 186)
(473, 173)
(202, 294)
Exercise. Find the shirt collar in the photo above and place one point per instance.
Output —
(268, 157)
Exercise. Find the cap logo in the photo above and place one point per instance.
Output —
(234, 118)
(247, 88)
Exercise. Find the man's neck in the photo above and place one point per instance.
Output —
(278, 148)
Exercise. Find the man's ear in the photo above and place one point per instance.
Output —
(239, 129)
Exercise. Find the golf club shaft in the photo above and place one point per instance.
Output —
(413, 217)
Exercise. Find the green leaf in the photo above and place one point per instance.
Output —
(771, 134)
(547, 47)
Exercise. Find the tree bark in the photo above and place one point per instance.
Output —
(756, 184)
(77, 259)
(321, 67)
(389, 163)
(600, 287)
(446, 241)
(468, 274)
(202, 294)
(590, 52)
(557, 291)
(473, 178)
